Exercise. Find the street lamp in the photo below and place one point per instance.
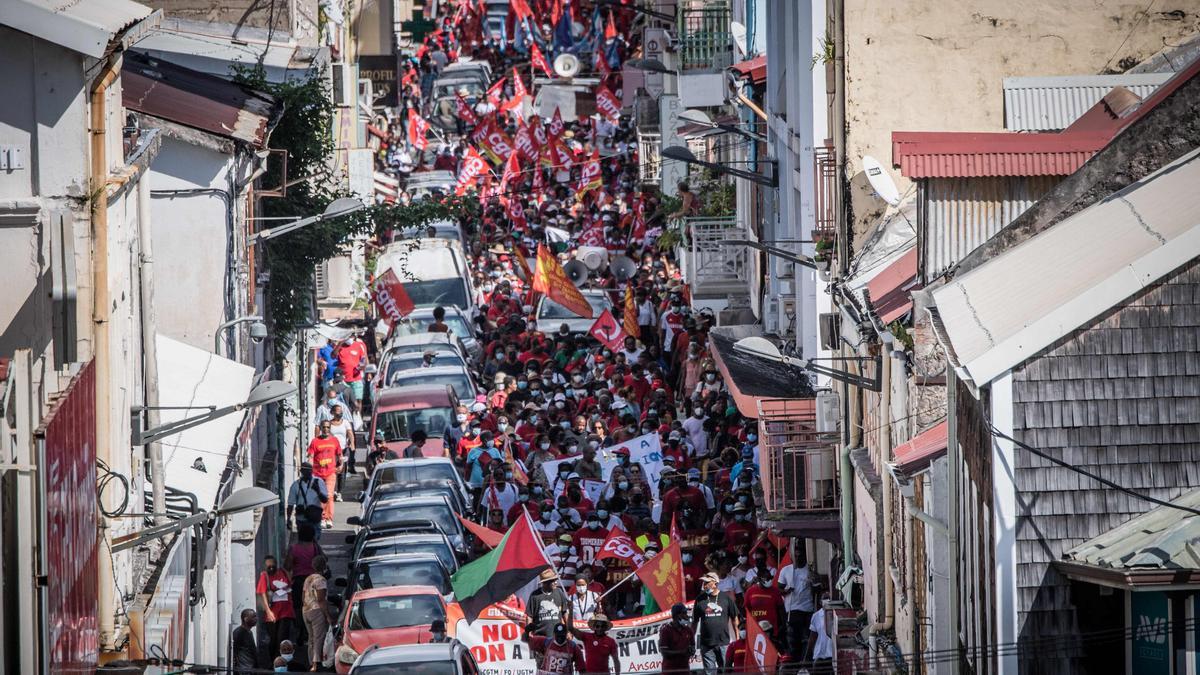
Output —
(614, 4)
(700, 117)
(773, 251)
(336, 209)
(682, 154)
(246, 499)
(765, 349)
(650, 66)
(258, 330)
(266, 392)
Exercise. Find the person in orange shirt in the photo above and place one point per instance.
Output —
(325, 453)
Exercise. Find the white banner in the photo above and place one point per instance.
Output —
(495, 641)
(645, 450)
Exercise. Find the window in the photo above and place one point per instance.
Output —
(459, 381)
(437, 471)
(423, 668)
(552, 310)
(433, 292)
(440, 514)
(395, 612)
(398, 425)
(384, 574)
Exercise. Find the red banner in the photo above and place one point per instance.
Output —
(539, 60)
(556, 124)
(663, 576)
(463, 111)
(520, 9)
(762, 652)
(512, 171)
(593, 235)
(496, 92)
(391, 300)
(496, 143)
(473, 166)
(550, 280)
(620, 545)
(538, 130)
(417, 128)
(607, 104)
(607, 331)
(523, 141)
(590, 177)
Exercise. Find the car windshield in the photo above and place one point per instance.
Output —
(451, 89)
(434, 292)
(399, 425)
(395, 573)
(395, 612)
(407, 473)
(440, 514)
(402, 362)
(440, 549)
(458, 326)
(459, 380)
(416, 668)
(552, 310)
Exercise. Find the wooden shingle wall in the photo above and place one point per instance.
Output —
(1120, 398)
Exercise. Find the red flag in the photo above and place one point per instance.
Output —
(550, 280)
(523, 140)
(619, 545)
(607, 331)
(496, 92)
(762, 651)
(516, 213)
(610, 29)
(591, 177)
(560, 156)
(512, 171)
(662, 575)
(519, 93)
(539, 60)
(496, 143)
(473, 166)
(522, 264)
(490, 538)
(676, 535)
(556, 124)
(538, 131)
(631, 312)
(520, 9)
(463, 111)
(391, 299)
(607, 104)
(593, 235)
(637, 233)
(417, 128)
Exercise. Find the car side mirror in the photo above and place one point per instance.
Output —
(340, 582)
(354, 520)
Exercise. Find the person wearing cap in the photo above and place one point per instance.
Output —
(677, 641)
(437, 632)
(747, 460)
(764, 602)
(599, 649)
(715, 616)
(687, 503)
(547, 606)
(560, 654)
(742, 531)
(306, 499)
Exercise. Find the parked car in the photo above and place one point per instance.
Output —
(466, 68)
(416, 471)
(398, 569)
(400, 412)
(551, 315)
(434, 543)
(455, 376)
(418, 342)
(436, 508)
(422, 184)
(447, 658)
(401, 362)
(419, 489)
(445, 92)
(397, 615)
(419, 320)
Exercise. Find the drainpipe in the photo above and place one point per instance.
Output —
(953, 476)
(885, 443)
(149, 345)
(100, 318)
(846, 478)
(837, 130)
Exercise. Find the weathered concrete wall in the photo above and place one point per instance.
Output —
(928, 65)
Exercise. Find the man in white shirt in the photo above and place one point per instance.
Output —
(341, 428)
(820, 646)
(694, 426)
(795, 582)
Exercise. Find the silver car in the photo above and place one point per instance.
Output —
(551, 315)
(446, 658)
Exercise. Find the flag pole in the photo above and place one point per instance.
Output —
(614, 586)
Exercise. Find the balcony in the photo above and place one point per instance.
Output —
(799, 467)
(711, 269)
(705, 39)
(649, 158)
(825, 193)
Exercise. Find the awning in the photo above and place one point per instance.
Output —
(751, 378)
(194, 459)
(1157, 548)
(84, 27)
(755, 69)
(918, 453)
(891, 289)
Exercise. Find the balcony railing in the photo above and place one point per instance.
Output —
(799, 465)
(825, 193)
(705, 40)
(649, 158)
(712, 268)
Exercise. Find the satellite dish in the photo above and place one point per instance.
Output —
(566, 65)
(880, 181)
(594, 257)
(738, 29)
(622, 267)
(576, 271)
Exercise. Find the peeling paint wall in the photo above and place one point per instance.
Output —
(939, 66)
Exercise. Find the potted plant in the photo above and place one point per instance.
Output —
(823, 256)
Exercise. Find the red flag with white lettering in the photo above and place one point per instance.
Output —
(417, 128)
(538, 130)
(539, 60)
(608, 104)
(591, 176)
(763, 654)
(473, 166)
(512, 171)
(391, 300)
(621, 546)
(523, 140)
(496, 92)
(519, 93)
(463, 111)
(556, 124)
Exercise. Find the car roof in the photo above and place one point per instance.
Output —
(430, 651)
(414, 556)
(414, 461)
(438, 537)
(414, 500)
(434, 370)
(419, 339)
(395, 592)
(427, 312)
(433, 394)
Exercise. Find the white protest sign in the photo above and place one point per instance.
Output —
(645, 450)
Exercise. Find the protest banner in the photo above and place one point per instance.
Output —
(645, 450)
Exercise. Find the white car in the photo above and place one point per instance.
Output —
(418, 322)
(551, 315)
(456, 376)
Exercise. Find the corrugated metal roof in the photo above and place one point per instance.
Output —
(959, 214)
(755, 68)
(85, 27)
(1019, 302)
(952, 154)
(917, 453)
(1053, 103)
(891, 288)
(198, 100)
(1161, 538)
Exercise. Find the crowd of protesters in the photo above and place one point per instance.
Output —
(562, 395)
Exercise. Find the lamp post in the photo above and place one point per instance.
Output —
(266, 392)
(700, 117)
(336, 209)
(246, 499)
(258, 330)
(650, 66)
(682, 154)
(765, 349)
(614, 4)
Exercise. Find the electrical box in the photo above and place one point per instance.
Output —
(829, 412)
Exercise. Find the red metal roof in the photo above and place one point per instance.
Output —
(917, 454)
(953, 154)
(891, 289)
(755, 68)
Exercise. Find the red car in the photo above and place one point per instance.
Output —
(390, 616)
(401, 411)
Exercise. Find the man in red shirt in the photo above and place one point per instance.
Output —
(274, 590)
(560, 655)
(764, 602)
(350, 359)
(736, 654)
(598, 648)
(589, 539)
(677, 641)
(325, 453)
(675, 499)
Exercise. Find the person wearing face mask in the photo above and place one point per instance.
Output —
(764, 602)
(560, 654)
(468, 442)
(548, 605)
(796, 583)
(455, 432)
(584, 601)
(565, 517)
(677, 641)
(274, 591)
(715, 615)
(325, 454)
(500, 493)
(737, 660)
(686, 497)
(542, 451)
(544, 524)
(525, 502)
(747, 459)
(576, 497)
(693, 570)
(743, 530)
(244, 648)
(293, 661)
(316, 610)
(589, 539)
(599, 650)
(479, 459)
(694, 428)
(437, 632)
(342, 429)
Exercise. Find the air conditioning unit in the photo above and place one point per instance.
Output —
(345, 84)
(829, 412)
(830, 327)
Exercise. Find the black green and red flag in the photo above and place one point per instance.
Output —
(516, 561)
